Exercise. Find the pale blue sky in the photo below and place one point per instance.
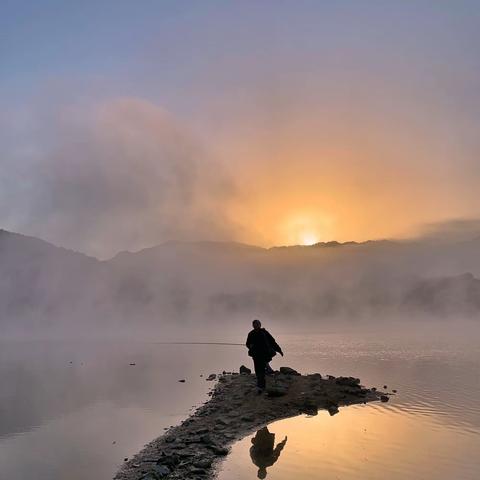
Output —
(159, 48)
(371, 104)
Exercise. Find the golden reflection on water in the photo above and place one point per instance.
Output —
(361, 442)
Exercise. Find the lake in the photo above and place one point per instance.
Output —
(76, 410)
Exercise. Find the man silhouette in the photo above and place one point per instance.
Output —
(262, 347)
(262, 453)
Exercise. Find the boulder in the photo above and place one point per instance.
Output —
(211, 377)
(288, 371)
(332, 410)
(168, 460)
(348, 381)
(198, 471)
(245, 370)
(309, 407)
(203, 462)
(207, 439)
(218, 450)
(276, 391)
(150, 476)
(161, 471)
(384, 398)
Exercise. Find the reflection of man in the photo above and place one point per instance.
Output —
(262, 453)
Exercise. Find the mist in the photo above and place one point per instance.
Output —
(196, 290)
(114, 175)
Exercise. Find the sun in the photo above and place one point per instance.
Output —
(304, 228)
(309, 238)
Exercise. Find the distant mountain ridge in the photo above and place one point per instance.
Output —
(44, 287)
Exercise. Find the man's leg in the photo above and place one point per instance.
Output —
(259, 364)
(268, 369)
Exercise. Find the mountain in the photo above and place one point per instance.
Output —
(44, 288)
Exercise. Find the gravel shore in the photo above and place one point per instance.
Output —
(193, 449)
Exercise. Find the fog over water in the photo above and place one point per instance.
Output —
(184, 289)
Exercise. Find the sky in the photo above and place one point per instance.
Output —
(128, 124)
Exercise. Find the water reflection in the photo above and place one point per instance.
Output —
(262, 452)
(364, 442)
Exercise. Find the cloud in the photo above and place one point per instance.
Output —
(122, 174)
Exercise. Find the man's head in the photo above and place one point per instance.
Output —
(257, 324)
(262, 473)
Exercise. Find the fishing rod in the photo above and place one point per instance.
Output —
(199, 343)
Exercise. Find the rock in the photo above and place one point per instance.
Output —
(203, 463)
(150, 476)
(385, 387)
(198, 471)
(384, 398)
(247, 418)
(394, 391)
(218, 450)
(288, 371)
(245, 370)
(132, 364)
(168, 460)
(309, 407)
(348, 381)
(184, 453)
(207, 439)
(161, 471)
(182, 380)
(332, 410)
(276, 391)
(211, 377)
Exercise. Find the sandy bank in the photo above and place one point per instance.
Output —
(195, 447)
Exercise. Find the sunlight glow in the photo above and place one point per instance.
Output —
(309, 238)
(304, 227)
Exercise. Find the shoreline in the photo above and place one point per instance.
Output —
(195, 448)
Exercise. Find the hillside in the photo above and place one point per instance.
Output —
(47, 288)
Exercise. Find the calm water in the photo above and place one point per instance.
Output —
(74, 411)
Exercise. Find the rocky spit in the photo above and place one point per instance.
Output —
(193, 449)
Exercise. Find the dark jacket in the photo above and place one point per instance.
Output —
(262, 345)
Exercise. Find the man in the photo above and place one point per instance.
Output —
(262, 347)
